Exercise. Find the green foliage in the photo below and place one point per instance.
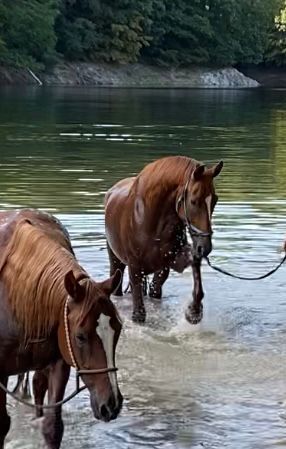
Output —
(220, 32)
(276, 51)
(170, 32)
(27, 36)
(109, 30)
(241, 29)
(180, 32)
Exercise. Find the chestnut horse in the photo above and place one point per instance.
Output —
(146, 218)
(54, 316)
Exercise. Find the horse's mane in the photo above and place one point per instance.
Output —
(32, 269)
(163, 175)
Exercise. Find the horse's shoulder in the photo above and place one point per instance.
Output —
(120, 189)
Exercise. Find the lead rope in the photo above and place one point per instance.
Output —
(244, 278)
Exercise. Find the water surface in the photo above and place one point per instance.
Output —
(220, 384)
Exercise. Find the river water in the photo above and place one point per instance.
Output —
(220, 384)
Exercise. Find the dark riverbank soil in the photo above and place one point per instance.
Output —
(266, 76)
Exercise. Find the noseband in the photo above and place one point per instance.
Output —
(79, 371)
(193, 230)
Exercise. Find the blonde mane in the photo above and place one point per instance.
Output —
(32, 269)
(164, 174)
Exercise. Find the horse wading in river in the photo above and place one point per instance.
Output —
(146, 218)
(54, 316)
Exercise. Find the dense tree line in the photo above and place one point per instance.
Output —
(171, 32)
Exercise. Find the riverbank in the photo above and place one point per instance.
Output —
(131, 75)
(272, 77)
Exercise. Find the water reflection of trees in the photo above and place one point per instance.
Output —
(47, 136)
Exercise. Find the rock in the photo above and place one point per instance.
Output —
(131, 75)
(227, 78)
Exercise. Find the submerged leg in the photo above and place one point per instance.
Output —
(26, 386)
(22, 387)
(137, 283)
(40, 387)
(19, 383)
(194, 312)
(159, 278)
(115, 264)
(53, 426)
(144, 285)
(4, 417)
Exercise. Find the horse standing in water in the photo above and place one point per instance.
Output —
(146, 218)
(54, 316)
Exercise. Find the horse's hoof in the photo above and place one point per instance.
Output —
(155, 293)
(139, 316)
(194, 316)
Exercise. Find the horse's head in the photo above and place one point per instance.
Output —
(89, 337)
(195, 204)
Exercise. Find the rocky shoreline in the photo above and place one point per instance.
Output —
(131, 75)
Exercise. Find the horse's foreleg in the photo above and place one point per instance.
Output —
(22, 387)
(53, 426)
(159, 278)
(18, 386)
(194, 312)
(40, 387)
(26, 386)
(137, 284)
(115, 264)
(4, 417)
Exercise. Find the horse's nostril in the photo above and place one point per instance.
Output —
(104, 411)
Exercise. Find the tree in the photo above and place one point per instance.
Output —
(170, 32)
(276, 51)
(180, 32)
(241, 29)
(27, 35)
(219, 32)
(109, 30)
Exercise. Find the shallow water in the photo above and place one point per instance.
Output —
(220, 384)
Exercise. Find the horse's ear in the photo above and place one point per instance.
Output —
(216, 169)
(72, 286)
(111, 284)
(198, 172)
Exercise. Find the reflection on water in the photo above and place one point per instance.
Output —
(220, 384)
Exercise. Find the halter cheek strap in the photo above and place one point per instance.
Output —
(79, 371)
(193, 230)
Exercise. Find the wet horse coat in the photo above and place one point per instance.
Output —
(39, 278)
(146, 218)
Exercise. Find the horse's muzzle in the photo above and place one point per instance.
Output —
(202, 246)
(106, 410)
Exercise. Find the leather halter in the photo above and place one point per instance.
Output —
(193, 230)
(79, 371)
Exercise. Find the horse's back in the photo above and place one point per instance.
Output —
(44, 221)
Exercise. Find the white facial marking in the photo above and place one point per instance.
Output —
(209, 205)
(106, 334)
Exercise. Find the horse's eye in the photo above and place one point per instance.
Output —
(81, 338)
(193, 202)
